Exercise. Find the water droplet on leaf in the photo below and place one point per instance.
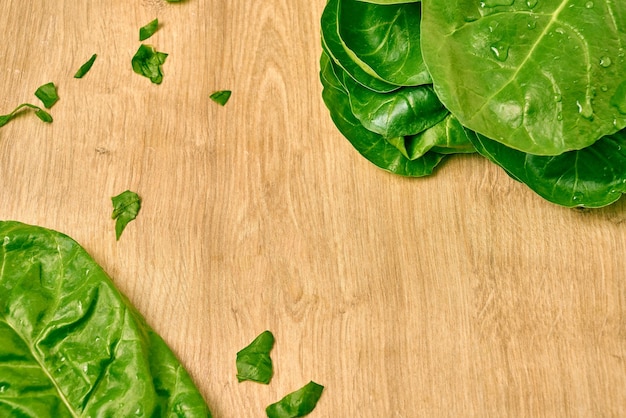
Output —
(619, 98)
(589, 5)
(531, 3)
(605, 62)
(501, 51)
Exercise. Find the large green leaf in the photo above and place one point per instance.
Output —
(592, 177)
(334, 47)
(406, 111)
(71, 345)
(389, 1)
(386, 38)
(371, 145)
(543, 77)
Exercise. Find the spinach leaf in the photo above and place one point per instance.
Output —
(254, 361)
(406, 111)
(147, 62)
(389, 1)
(39, 112)
(71, 345)
(543, 77)
(386, 38)
(371, 145)
(84, 69)
(126, 206)
(221, 97)
(592, 177)
(47, 94)
(298, 403)
(148, 30)
(344, 57)
(446, 137)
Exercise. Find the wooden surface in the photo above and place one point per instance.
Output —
(460, 295)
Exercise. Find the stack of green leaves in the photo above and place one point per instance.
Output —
(538, 87)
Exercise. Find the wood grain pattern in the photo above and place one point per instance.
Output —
(460, 295)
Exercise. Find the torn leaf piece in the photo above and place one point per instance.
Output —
(126, 206)
(41, 114)
(221, 96)
(47, 94)
(298, 403)
(84, 69)
(254, 362)
(148, 30)
(147, 62)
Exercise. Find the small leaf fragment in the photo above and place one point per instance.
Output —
(298, 403)
(39, 112)
(221, 96)
(47, 94)
(147, 62)
(254, 362)
(126, 206)
(84, 69)
(148, 30)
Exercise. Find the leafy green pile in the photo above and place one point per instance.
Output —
(71, 345)
(538, 87)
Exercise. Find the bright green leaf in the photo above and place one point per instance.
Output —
(296, 404)
(47, 94)
(126, 206)
(254, 362)
(39, 112)
(148, 30)
(220, 97)
(147, 62)
(71, 345)
(84, 69)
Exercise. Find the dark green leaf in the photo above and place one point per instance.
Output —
(592, 177)
(406, 111)
(71, 345)
(148, 30)
(254, 361)
(296, 404)
(126, 206)
(47, 94)
(147, 62)
(386, 39)
(84, 69)
(371, 145)
(221, 97)
(541, 76)
(342, 56)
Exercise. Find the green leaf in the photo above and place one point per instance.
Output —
(126, 206)
(84, 69)
(71, 345)
(385, 39)
(592, 177)
(254, 362)
(47, 94)
(220, 97)
(148, 30)
(406, 111)
(296, 404)
(43, 115)
(147, 62)
(371, 145)
(39, 112)
(342, 56)
(541, 76)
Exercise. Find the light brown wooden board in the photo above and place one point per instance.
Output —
(463, 294)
